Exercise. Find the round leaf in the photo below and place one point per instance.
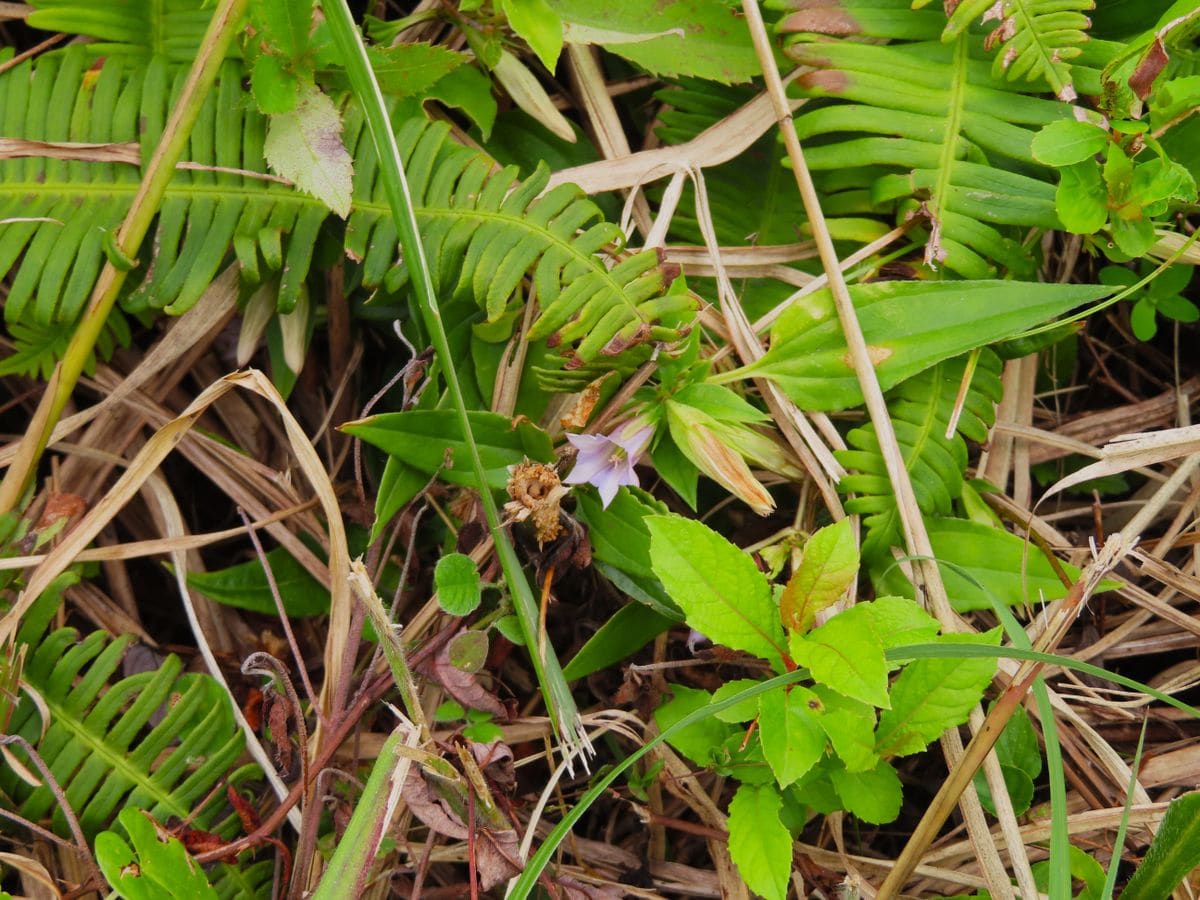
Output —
(457, 583)
(468, 651)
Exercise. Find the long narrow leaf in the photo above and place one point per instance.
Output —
(559, 702)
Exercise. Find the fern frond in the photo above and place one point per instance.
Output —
(168, 28)
(1033, 39)
(39, 347)
(156, 740)
(920, 409)
(485, 231)
(925, 126)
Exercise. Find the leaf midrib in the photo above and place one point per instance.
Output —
(60, 189)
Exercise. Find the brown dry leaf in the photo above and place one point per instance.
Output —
(463, 687)
(496, 852)
(1133, 451)
(145, 465)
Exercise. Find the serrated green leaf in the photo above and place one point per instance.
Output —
(284, 23)
(157, 866)
(718, 587)
(276, 88)
(1081, 199)
(758, 842)
(846, 656)
(701, 741)
(458, 586)
(411, 70)
(932, 695)
(850, 725)
(828, 567)
(305, 146)
(792, 740)
(744, 711)
(874, 796)
(1066, 141)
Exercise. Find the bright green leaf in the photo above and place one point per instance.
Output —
(157, 866)
(850, 726)
(458, 584)
(759, 843)
(846, 654)
(718, 586)
(932, 695)
(410, 70)
(744, 711)
(276, 89)
(1066, 141)
(699, 742)
(792, 740)
(539, 25)
(828, 567)
(874, 796)
(305, 146)
(1081, 199)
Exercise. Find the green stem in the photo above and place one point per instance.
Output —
(125, 246)
(559, 702)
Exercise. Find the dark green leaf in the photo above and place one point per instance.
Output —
(430, 441)
(245, 586)
(631, 628)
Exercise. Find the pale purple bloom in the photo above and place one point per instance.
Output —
(607, 460)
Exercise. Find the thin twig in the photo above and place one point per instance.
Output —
(284, 618)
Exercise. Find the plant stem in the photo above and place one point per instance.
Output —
(559, 702)
(125, 245)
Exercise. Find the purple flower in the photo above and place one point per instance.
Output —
(607, 460)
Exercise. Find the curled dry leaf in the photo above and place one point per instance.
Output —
(497, 857)
(463, 687)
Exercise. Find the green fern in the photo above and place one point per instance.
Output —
(1032, 39)
(101, 740)
(168, 28)
(920, 409)
(39, 347)
(485, 231)
(925, 125)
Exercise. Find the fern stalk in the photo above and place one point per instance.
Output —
(122, 249)
(559, 702)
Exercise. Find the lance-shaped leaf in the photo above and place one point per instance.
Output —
(908, 325)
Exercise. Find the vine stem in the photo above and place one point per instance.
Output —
(348, 39)
(124, 247)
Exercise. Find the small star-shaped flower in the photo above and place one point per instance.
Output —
(607, 461)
